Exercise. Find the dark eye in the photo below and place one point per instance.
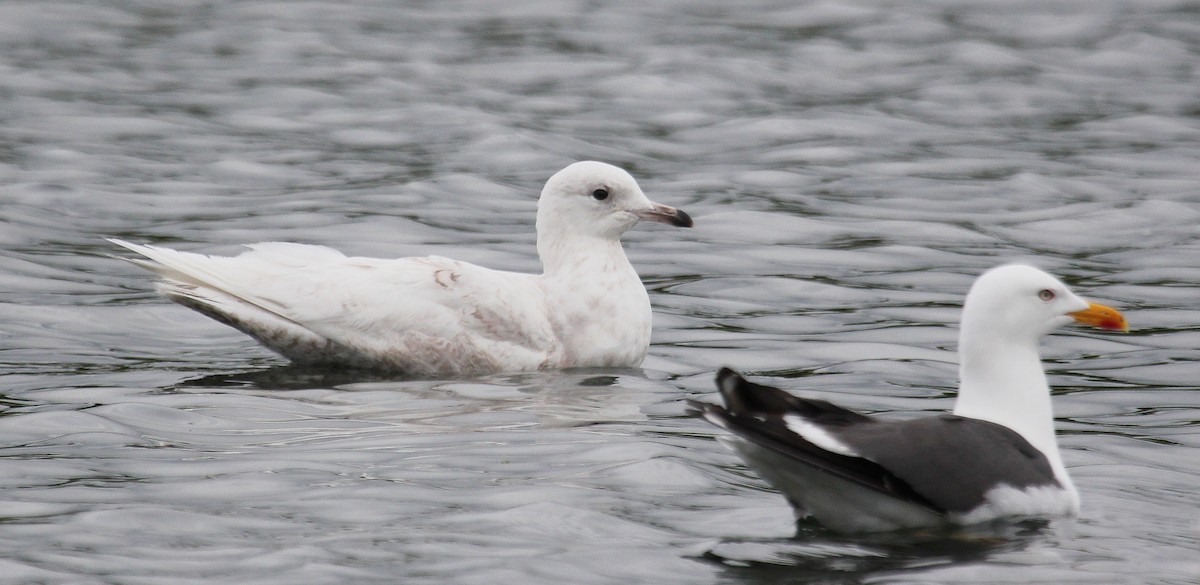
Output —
(600, 194)
(1046, 294)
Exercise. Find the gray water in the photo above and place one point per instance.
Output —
(851, 166)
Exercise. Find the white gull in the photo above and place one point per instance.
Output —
(437, 317)
(996, 456)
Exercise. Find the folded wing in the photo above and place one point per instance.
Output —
(314, 305)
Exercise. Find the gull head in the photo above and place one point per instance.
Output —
(1018, 303)
(600, 200)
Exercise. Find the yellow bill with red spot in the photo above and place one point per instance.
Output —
(1102, 316)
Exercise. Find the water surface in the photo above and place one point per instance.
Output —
(851, 168)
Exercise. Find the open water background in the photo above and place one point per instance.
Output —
(851, 166)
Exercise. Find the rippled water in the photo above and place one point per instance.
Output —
(851, 167)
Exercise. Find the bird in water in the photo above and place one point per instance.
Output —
(435, 317)
(995, 456)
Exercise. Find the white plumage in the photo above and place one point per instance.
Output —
(437, 317)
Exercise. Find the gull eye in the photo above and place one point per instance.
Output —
(600, 194)
(1046, 294)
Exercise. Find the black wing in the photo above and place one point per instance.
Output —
(951, 460)
(755, 413)
(945, 463)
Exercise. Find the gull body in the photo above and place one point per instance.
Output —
(436, 317)
(995, 456)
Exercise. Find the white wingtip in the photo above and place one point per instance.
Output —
(182, 267)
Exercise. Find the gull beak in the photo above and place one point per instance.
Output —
(1101, 316)
(664, 214)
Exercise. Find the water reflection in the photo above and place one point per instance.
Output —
(301, 377)
(816, 555)
(285, 377)
(546, 399)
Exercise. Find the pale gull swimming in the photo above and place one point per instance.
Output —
(436, 317)
(996, 456)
